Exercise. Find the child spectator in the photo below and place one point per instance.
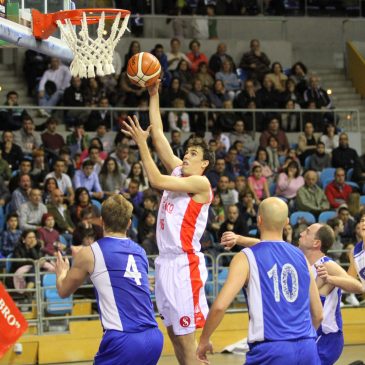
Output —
(48, 236)
(10, 237)
(258, 184)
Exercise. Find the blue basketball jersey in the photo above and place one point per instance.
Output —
(278, 293)
(332, 318)
(120, 278)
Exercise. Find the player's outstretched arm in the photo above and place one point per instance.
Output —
(237, 277)
(315, 301)
(69, 280)
(162, 145)
(334, 275)
(230, 239)
(194, 184)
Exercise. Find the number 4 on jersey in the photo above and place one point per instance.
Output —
(131, 270)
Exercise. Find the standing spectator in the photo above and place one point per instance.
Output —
(21, 194)
(217, 59)
(255, 62)
(27, 138)
(52, 141)
(78, 140)
(11, 119)
(87, 178)
(10, 237)
(111, 179)
(175, 56)
(278, 77)
(258, 184)
(195, 56)
(31, 212)
(310, 197)
(64, 182)
(320, 159)
(59, 77)
(274, 130)
(48, 236)
(11, 152)
(344, 156)
(330, 138)
(337, 191)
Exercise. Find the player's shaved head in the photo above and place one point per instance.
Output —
(273, 213)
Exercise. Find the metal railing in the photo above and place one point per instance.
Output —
(42, 320)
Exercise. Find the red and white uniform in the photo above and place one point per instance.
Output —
(180, 268)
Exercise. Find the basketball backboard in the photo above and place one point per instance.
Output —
(16, 26)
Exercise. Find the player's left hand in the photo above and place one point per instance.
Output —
(322, 273)
(134, 130)
(228, 240)
(201, 351)
(62, 265)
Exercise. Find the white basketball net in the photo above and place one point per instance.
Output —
(92, 53)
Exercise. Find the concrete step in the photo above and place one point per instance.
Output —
(351, 96)
(344, 89)
(329, 71)
(337, 83)
(330, 78)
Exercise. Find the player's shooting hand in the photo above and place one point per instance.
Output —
(153, 89)
(133, 129)
(201, 351)
(228, 240)
(62, 265)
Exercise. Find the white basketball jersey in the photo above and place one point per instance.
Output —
(359, 260)
(181, 221)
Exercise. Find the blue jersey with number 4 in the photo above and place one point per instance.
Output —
(120, 278)
(278, 293)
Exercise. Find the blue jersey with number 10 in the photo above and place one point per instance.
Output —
(120, 278)
(278, 293)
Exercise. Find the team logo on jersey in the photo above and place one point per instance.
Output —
(167, 206)
(185, 321)
(362, 273)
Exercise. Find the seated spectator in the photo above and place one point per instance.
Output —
(274, 130)
(320, 159)
(4, 199)
(94, 142)
(39, 169)
(290, 119)
(5, 170)
(134, 48)
(121, 155)
(27, 138)
(218, 95)
(175, 56)
(158, 52)
(100, 116)
(359, 171)
(218, 58)
(230, 80)
(87, 178)
(197, 96)
(147, 233)
(310, 197)
(289, 182)
(52, 141)
(133, 194)
(10, 237)
(255, 62)
(21, 194)
(11, 152)
(82, 200)
(78, 140)
(349, 224)
(195, 55)
(64, 182)
(149, 203)
(229, 196)
(247, 95)
(215, 173)
(299, 75)
(240, 184)
(74, 96)
(248, 208)
(28, 247)
(289, 157)
(216, 216)
(277, 77)
(95, 156)
(233, 166)
(330, 138)
(70, 165)
(111, 179)
(258, 184)
(11, 119)
(316, 93)
(205, 77)
(59, 76)
(225, 119)
(137, 173)
(176, 145)
(50, 184)
(267, 97)
(337, 225)
(183, 73)
(172, 93)
(262, 159)
(337, 191)
(344, 156)
(273, 154)
(179, 120)
(290, 93)
(105, 138)
(307, 142)
(31, 212)
(49, 237)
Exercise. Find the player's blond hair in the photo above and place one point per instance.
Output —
(116, 213)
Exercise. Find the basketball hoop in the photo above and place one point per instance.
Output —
(88, 53)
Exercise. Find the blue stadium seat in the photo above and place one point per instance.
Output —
(251, 160)
(54, 303)
(222, 277)
(362, 199)
(309, 217)
(353, 185)
(252, 232)
(241, 74)
(327, 173)
(349, 174)
(325, 216)
(307, 162)
(8, 263)
(272, 189)
(96, 203)
(325, 182)
(282, 160)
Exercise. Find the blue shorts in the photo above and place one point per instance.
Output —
(122, 348)
(330, 347)
(298, 352)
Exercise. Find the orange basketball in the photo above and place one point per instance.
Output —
(143, 69)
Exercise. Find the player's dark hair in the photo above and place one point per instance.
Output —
(207, 155)
(327, 237)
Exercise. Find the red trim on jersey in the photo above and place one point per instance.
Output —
(186, 237)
